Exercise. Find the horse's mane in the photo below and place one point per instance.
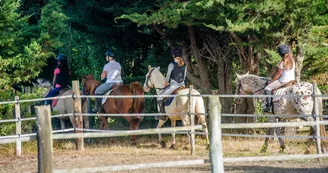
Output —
(255, 76)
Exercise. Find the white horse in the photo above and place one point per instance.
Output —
(64, 105)
(284, 104)
(180, 104)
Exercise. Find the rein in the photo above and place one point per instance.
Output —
(266, 84)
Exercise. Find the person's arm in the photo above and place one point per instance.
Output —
(54, 81)
(103, 75)
(56, 72)
(168, 74)
(279, 72)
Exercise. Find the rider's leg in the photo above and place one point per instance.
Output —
(160, 102)
(268, 91)
(54, 92)
(100, 91)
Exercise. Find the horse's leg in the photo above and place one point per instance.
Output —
(185, 122)
(160, 140)
(173, 124)
(265, 145)
(310, 141)
(202, 121)
(134, 125)
(62, 124)
(281, 141)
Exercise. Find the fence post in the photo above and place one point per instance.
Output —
(44, 136)
(317, 119)
(28, 106)
(77, 116)
(215, 132)
(18, 127)
(192, 120)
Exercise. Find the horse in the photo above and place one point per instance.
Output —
(284, 104)
(180, 104)
(64, 105)
(119, 105)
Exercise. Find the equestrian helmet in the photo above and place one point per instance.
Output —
(176, 52)
(283, 49)
(109, 53)
(61, 57)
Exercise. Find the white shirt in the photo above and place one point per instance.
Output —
(113, 70)
(287, 75)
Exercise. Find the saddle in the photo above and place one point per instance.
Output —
(61, 92)
(293, 82)
(168, 100)
(108, 93)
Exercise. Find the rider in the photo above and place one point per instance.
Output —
(175, 78)
(61, 77)
(112, 72)
(285, 74)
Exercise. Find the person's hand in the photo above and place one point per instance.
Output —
(165, 84)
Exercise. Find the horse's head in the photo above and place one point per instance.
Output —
(249, 84)
(154, 79)
(89, 84)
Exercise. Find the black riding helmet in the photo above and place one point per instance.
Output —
(283, 49)
(109, 53)
(176, 52)
(61, 57)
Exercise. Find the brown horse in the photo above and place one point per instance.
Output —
(119, 105)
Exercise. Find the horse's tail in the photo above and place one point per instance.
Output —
(318, 101)
(138, 104)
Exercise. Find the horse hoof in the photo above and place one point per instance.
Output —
(174, 146)
(133, 143)
(89, 141)
(163, 144)
(186, 147)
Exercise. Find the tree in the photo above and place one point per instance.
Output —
(20, 57)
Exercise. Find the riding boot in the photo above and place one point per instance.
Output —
(268, 100)
(161, 110)
(98, 105)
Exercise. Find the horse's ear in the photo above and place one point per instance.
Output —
(83, 77)
(238, 76)
(149, 67)
(247, 73)
(158, 67)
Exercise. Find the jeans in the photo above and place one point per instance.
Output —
(54, 92)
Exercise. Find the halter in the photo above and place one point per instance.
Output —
(148, 77)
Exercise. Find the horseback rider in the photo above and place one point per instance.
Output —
(60, 79)
(175, 78)
(112, 72)
(285, 74)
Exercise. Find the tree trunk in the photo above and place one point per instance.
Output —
(225, 86)
(201, 63)
(299, 63)
(250, 63)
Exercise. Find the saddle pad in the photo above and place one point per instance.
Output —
(106, 94)
(279, 93)
(168, 101)
(67, 91)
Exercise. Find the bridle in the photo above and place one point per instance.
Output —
(149, 79)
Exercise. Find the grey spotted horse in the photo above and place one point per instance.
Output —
(285, 104)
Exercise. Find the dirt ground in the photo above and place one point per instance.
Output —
(147, 151)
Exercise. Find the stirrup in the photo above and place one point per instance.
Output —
(96, 109)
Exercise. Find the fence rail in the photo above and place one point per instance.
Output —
(215, 130)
